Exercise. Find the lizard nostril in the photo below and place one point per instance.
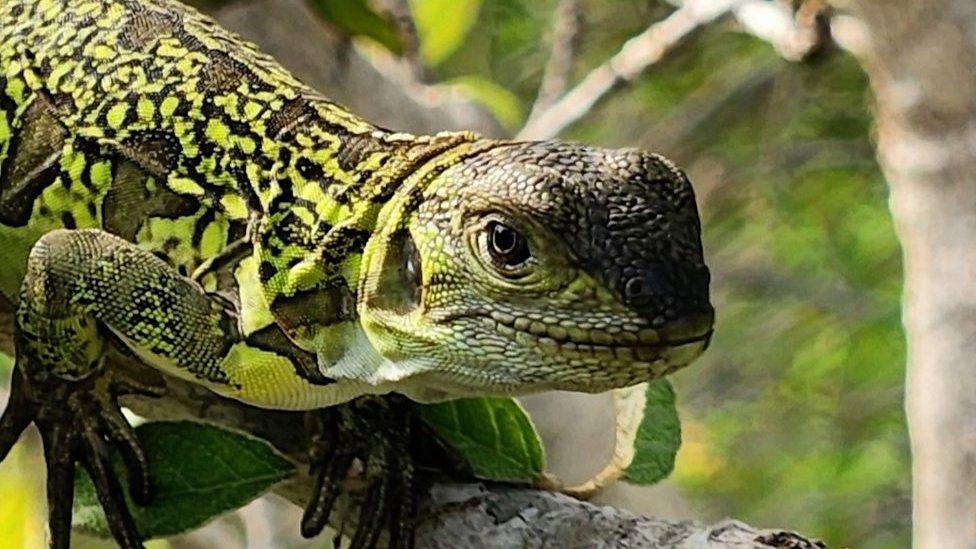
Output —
(635, 289)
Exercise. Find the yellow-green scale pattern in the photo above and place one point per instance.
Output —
(171, 132)
(148, 121)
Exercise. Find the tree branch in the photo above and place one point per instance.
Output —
(555, 77)
(636, 56)
(797, 36)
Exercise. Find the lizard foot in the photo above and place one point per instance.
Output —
(78, 420)
(376, 431)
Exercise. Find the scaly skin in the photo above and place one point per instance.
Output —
(165, 185)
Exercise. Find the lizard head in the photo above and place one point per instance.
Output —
(534, 266)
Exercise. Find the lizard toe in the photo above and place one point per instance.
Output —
(19, 413)
(79, 420)
(95, 458)
(376, 432)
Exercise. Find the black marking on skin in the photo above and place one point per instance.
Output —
(272, 339)
(7, 105)
(92, 153)
(145, 26)
(172, 243)
(284, 156)
(129, 202)
(284, 199)
(289, 228)
(308, 310)
(33, 161)
(266, 271)
(68, 220)
(156, 151)
(241, 129)
(354, 150)
(309, 170)
(289, 116)
(236, 229)
(204, 221)
(245, 186)
(342, 242)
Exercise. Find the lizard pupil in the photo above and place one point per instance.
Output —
(506, 245)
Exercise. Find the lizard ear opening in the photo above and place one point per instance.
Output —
(400, 285)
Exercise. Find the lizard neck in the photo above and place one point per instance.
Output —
(331, 172)
(332, 190)
(323, 197)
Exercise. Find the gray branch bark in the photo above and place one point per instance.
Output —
(921, 58)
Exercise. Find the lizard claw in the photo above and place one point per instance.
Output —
(377, 431)
(19, 413)
(78, 420)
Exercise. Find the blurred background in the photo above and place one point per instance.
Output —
(794, 417)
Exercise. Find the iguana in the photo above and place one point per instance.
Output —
(168, 189)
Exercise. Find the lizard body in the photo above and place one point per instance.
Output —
(152, 162)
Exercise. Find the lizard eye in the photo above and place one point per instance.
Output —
(507, 247)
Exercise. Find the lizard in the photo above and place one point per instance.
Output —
(168, 189)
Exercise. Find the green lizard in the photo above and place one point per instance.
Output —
(166, 188)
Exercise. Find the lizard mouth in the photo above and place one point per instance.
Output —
(647, 344)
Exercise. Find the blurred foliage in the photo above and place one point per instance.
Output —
(443, 25)
(358, 18)
(502, 103)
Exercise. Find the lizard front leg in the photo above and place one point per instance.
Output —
(81, 286)
(378, 431)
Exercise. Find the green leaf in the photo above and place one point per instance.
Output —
(442, 25)
(502, 103)
(356, 18)
(658, 436)
(200, 472)
(495, 435)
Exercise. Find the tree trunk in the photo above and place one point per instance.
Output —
(921, 57)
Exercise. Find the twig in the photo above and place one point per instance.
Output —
(555, 77)
(796, 34)
(635, 57)
(399, 12)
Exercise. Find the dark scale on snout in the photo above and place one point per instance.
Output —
(629, 219)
